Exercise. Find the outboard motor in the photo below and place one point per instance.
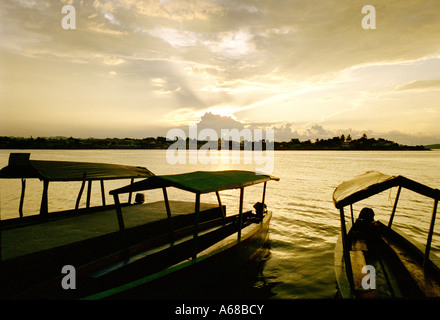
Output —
(260, 209)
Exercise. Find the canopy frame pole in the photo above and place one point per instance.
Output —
(89, 193)
(196, 225)
(346, 252)
(394, 207)
(352, 215)
(240, 214)
(23, 190)
(431, 232)
(0, 233)
(130, 194)
(264, 192)
(167, 206)
(78, 199)
(122, 230)
(44, 208)
(102, 191)
(221, 207)
(262, 201)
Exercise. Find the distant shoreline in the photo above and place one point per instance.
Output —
(335, 143)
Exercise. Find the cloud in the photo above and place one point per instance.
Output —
(232, 44)
(421, 85)
(218, 122)
(170, 62)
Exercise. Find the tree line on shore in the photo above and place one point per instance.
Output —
(336, 143)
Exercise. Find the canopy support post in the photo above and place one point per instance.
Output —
(167, 206)
(221, 207)
(352, 215)
(102, 192)
(431, 231)
(264, 192)
(122, 230)
(23, 189)
(78, 199)
(196, 225)
(44, 200)
(394, 207)
(345, 248)
(0, 235)
(131, 193)
(240, 213)
(262, 201)
(89, 192)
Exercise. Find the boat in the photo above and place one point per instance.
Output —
(374, 260)
(20, 166)
(126, 250)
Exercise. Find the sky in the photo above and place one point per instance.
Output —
(305, 68)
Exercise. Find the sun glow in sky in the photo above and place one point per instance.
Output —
(305, 68)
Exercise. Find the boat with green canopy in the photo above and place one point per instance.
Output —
(118, 249)
(202, 249)
(374, 260)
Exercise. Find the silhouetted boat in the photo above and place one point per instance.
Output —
(126, 254)
(373, 260)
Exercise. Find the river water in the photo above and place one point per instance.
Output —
(305, 223)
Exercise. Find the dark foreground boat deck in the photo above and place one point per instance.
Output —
(52, 234)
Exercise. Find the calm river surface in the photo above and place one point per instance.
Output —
(305, 224)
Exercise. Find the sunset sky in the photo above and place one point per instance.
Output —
(305, 68)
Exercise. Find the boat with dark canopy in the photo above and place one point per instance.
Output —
(124, 254)
(374, 260)
(20, 166)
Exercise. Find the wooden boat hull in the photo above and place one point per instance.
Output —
(400, 270)
(152, 262)
(200, 275)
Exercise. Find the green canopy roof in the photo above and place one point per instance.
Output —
(199, 181)
(373, 182)
(21, 167)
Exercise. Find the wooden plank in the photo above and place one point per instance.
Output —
(427, 284)
(357, 263)
(357, 259)
(359, 245)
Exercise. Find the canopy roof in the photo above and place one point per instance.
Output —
(21, 167)
(199, 181)
(373, 182)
